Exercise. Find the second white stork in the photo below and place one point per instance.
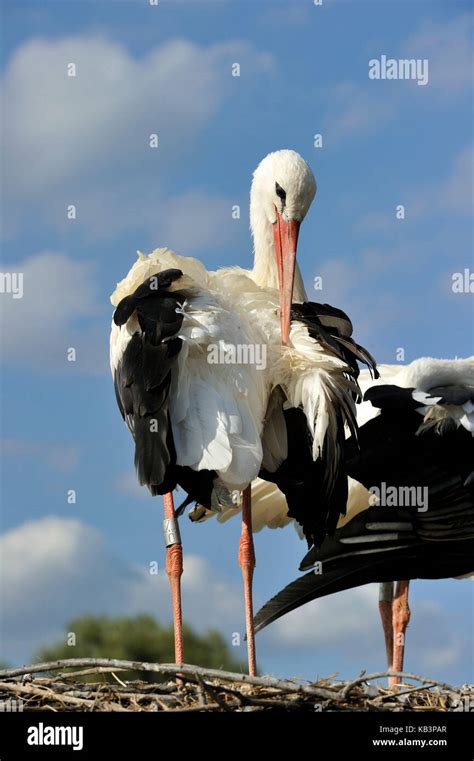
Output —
(212, 426)
(411, 498)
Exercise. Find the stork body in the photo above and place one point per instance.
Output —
(196, 424)
(213, 412)
(411, 508)
(213, 426)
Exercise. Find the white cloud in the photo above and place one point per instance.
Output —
(286, 15)
(448, 47)
(350, 622)
(196, 220)
(188, 223)
(55, 569)
(61, 131)
(127, 484)
(63, 458)
(442, 657)
(368, 276)
(84, 140)
(451, 194)
(335, 620)
(457, 192)
(369, 273)
(365, 108)
(353, 109)
(38, 328)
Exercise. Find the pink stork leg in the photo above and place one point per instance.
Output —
(385, 609)
(400, 619)
(174, 570)
(247, 564)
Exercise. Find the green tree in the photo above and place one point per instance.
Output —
(141, 639)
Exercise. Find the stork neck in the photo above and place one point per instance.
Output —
(265, 270)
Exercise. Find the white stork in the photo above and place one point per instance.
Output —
(411, 496)
(212, 427)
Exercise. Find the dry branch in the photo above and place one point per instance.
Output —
(212, 690)
(171, 669)
(383, 674)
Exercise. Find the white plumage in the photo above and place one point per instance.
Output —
(218, 412)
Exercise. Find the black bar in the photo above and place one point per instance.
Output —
(329, 734)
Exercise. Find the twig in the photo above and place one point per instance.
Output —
(161, 688)
(201, 692)
(200, 707)
(406, 692)
(40, 692)
(173, 669)
(86, 672)
(117, 679)
(214, 695)
(383, 674)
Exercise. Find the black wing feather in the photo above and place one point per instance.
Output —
(142, 385)
(316, 492)
(393, 543)
(332, 328)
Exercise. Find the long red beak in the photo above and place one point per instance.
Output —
(286, 241)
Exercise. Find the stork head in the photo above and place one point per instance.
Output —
(282, 191)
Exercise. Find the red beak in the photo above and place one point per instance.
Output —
(286, 241)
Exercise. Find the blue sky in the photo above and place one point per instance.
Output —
(84, 141)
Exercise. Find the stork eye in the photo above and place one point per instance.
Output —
(280, 192)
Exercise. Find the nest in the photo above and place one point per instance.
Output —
(35, 688)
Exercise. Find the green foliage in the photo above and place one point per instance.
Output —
(141, 639)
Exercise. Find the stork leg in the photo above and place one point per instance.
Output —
(247, 564)
(400, 619)
(174, 570)
(385, 609)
